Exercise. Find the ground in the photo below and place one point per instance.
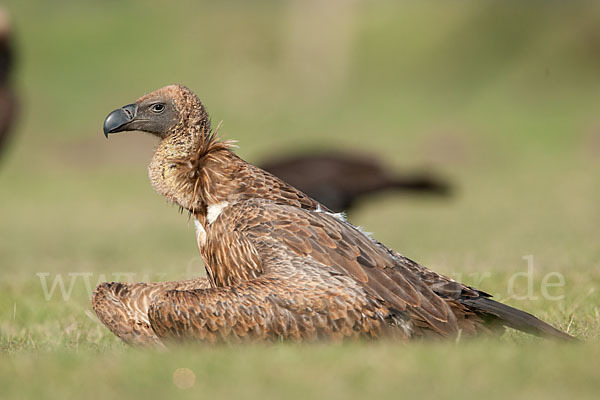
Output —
(508, 111)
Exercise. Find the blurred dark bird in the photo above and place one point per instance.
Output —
(279, 264)
(339, 180)
(8, 100)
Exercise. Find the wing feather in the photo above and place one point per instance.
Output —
(336, 243)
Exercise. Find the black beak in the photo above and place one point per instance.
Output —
(118, 120)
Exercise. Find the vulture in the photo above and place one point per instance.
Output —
(339, 180)
(8, 101)
(279, 264)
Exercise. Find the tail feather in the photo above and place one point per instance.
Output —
(514, 318)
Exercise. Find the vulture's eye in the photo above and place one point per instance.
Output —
(157, 108)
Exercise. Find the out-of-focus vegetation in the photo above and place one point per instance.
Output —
(502, 96)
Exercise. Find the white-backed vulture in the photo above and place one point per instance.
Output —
(339, 180)
(8, 99)
(279, 264)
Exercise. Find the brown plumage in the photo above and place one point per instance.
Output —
(8, 101)
(340, 180)
(279, 264)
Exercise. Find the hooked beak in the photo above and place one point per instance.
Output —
(119, 120)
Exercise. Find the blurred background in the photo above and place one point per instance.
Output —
(499, 98)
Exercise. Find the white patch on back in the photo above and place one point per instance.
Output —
(364, 232)
(200, 233)
(341, 215)
(213, 211)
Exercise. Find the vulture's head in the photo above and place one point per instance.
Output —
(160, 113)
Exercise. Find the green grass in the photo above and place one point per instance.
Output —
(383, 370)
(501, 97)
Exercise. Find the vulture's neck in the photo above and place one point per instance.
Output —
(194, 170)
